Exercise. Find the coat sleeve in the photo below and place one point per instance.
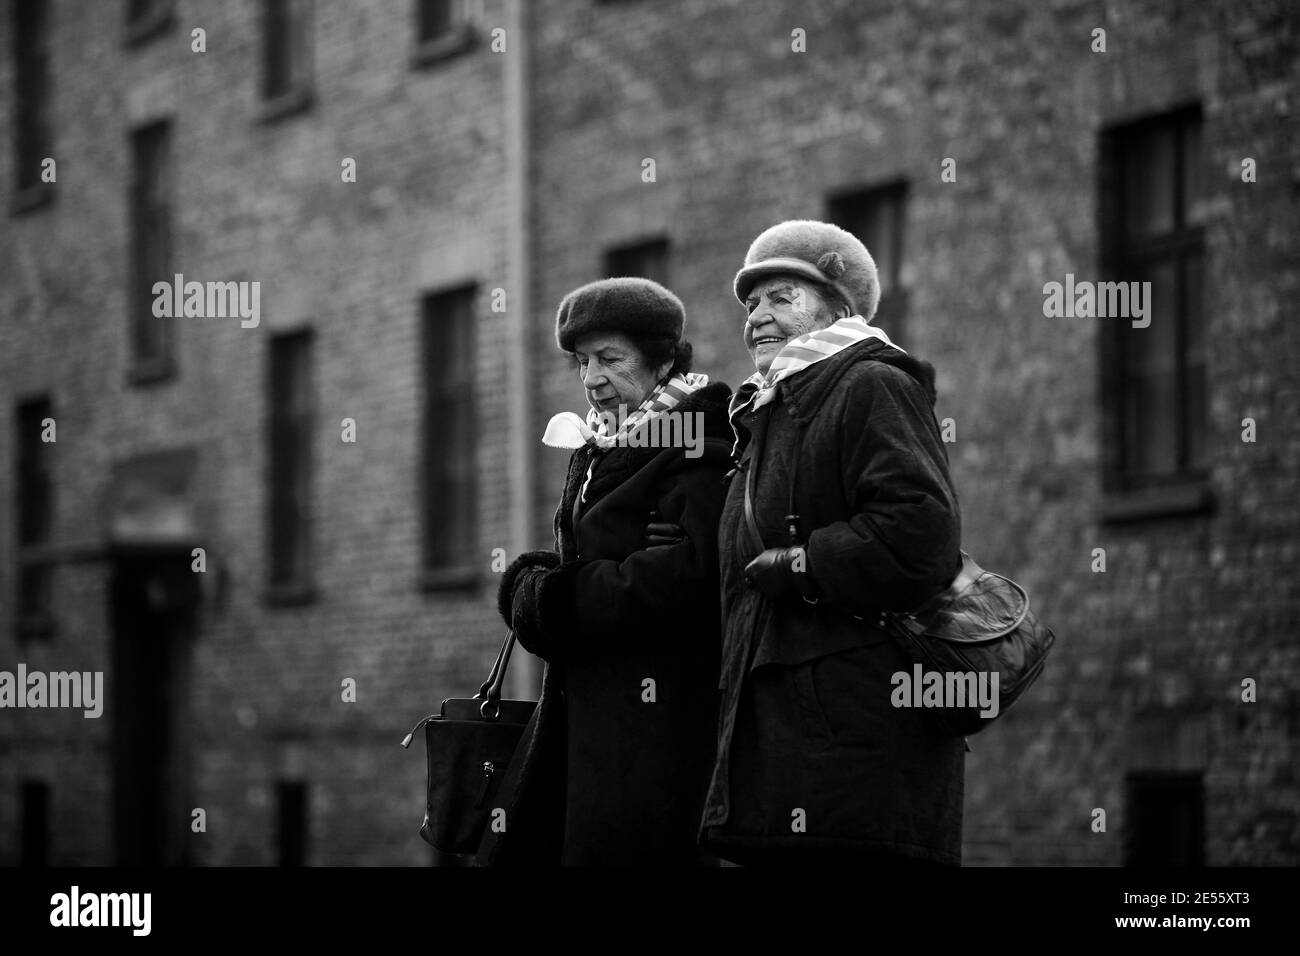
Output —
(901, 542)
(647, 593)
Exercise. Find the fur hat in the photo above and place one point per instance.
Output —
(636, 306)
(818, 251)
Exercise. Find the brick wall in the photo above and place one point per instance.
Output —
(744, 133)
(262, 202)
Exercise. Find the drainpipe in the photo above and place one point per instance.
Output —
(525, 674)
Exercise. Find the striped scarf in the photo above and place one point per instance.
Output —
(797, 354)
(606, 430)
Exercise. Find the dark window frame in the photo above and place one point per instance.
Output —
(151, 205)
(33, 139)
(618, 260)
(449, 551)
(297, 94)
(1128, 495)
(457, 38)
(853, 206)
(154, 18)
(293, 823)
(1161, 782)
(35, 800)
(34, 520)
(292, 414)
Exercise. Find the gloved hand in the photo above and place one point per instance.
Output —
(525, 613)
(519, 593)
(659, 534)
(778, 571)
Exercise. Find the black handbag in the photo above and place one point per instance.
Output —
(470, 745)
(980, 625)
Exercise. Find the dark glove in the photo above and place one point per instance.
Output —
(506, 592)
(778, 571)
(659, 534)
(526, 614)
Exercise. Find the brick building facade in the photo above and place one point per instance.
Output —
(981, 153)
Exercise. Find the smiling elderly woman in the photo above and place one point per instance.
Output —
(842, 507)
(615, 770)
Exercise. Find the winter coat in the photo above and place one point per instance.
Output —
(806, 722)
(616, 768)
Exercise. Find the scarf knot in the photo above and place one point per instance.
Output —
(605, 430)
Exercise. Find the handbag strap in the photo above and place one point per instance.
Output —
(792, 516)
(751, 466)
(755, 537)
(490, 690)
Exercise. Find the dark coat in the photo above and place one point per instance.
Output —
(806, 721)
(610, 778)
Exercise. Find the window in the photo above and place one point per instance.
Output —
(450, 455)
(31, 103)
(1165, 819)
(151, 193)
(34, 518)
(292, 836)
(146, 18)
(441, 29)
(876, 216)
(1154, 385)
(292, 399)
(35, 823)
(286, 83)
(647, 259)
(434, 18)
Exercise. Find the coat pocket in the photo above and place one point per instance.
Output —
(850, 692)
(807, 708)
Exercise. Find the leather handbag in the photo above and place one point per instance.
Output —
(980, 625)
(470, 745)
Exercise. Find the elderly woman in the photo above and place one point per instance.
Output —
(842, 507)
(615, 770)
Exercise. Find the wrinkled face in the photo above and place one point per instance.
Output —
(613, 371)
(781, 308)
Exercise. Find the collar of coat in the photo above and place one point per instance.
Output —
(619, 462)
(617, 465)
(805, 393)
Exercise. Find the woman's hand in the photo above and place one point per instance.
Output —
(525, 612)
(510, 579)
(661, 534)
(779, 570)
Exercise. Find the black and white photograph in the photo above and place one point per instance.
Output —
(640, 442)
